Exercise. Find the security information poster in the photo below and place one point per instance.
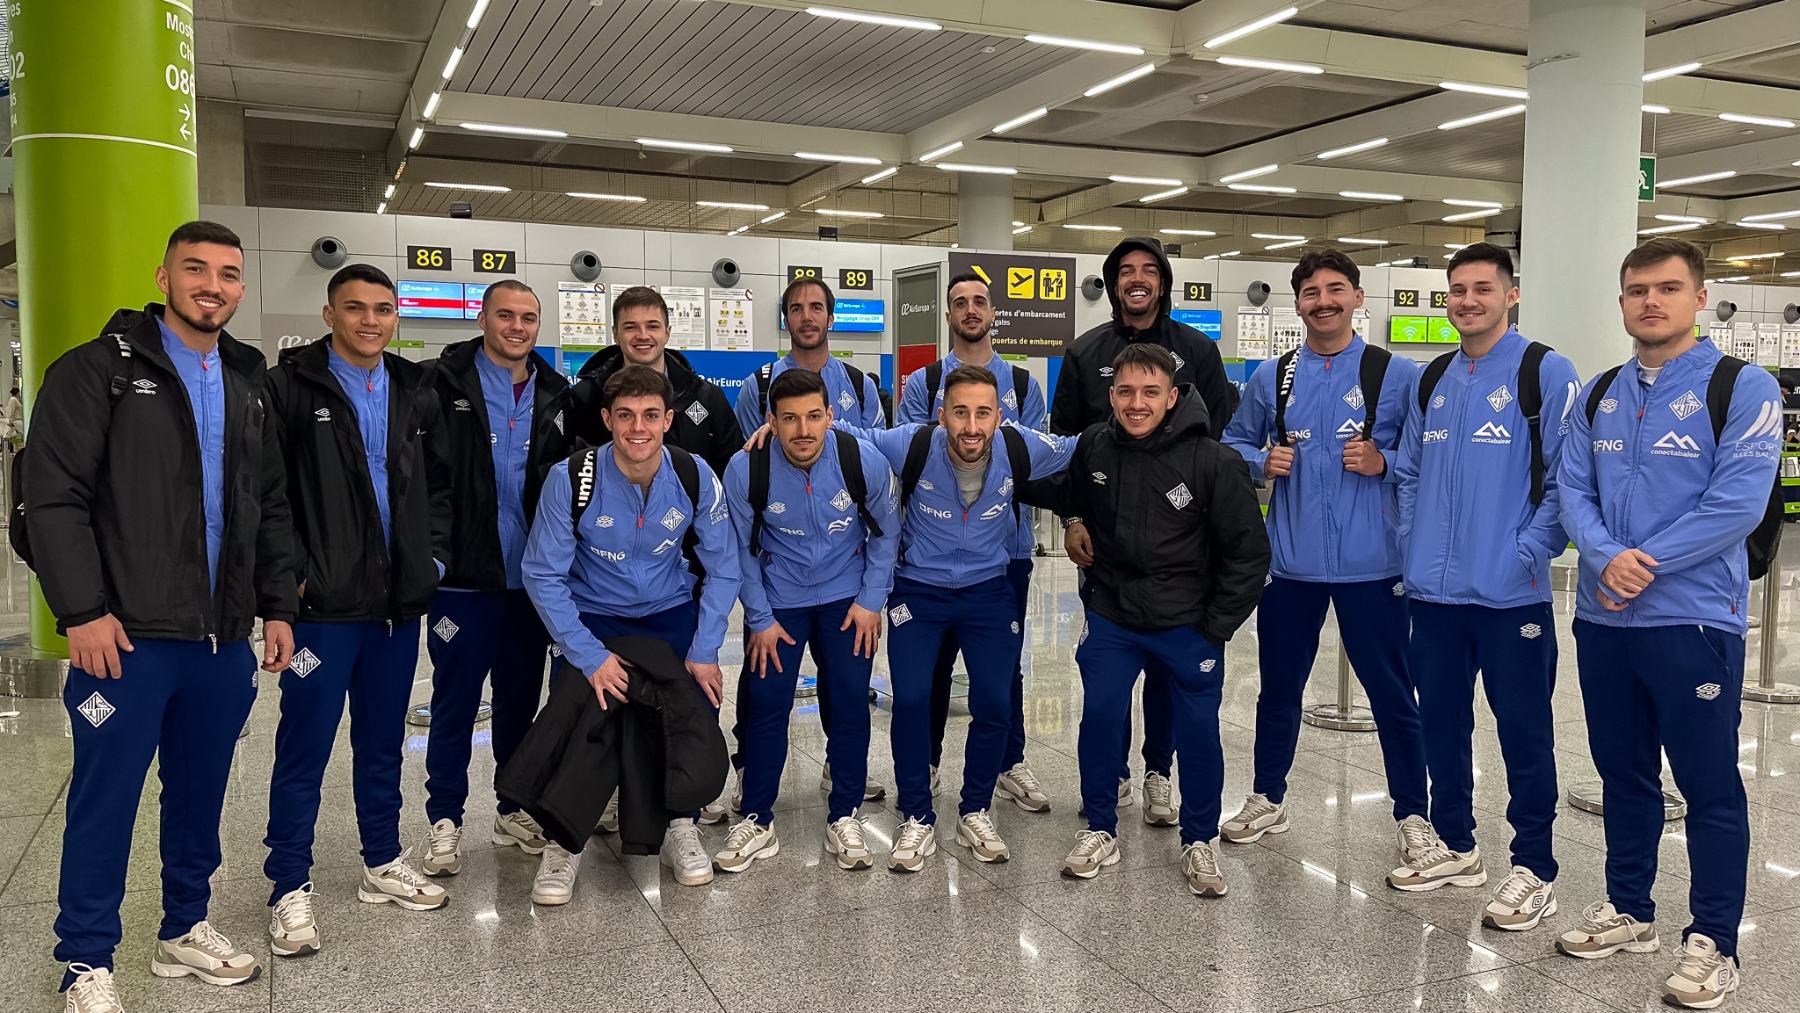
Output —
(687, 316)
(1253, 333)
(730, 320)
(582, 312)
(1034, 300)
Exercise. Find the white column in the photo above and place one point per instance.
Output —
(984, 211)
(1582, 134)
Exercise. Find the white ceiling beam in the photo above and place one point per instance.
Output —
(1064, 83)
(1421, 115)
(452, 25)
(1737, 34)
(1778, 154)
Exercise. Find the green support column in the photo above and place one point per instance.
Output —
(103, 125)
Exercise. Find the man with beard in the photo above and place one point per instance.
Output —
(157, 521)
(970, 312)
(808, 308)
(1138, 281)
(505, 412)
(1319, 424)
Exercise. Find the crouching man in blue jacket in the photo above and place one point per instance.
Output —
(618, 569)
(1479, 524)
(1329, 414)
(817, 530)
(1659, 496)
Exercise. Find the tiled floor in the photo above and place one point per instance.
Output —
(1309, 923)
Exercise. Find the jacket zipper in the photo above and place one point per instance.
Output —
(1462, 414)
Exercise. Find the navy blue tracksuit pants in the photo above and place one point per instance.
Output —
(982, 618)
(1372, 620)
(371, 664)
(1515, 651)
(1110, 657)
(472, 636)
(181, 702)
(765, 705)
(1018, 573)
(1673, 689)
(674, 626)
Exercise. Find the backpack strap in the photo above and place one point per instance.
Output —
(1018, 458)
(1531, 405)
(855, 482)
(1428, 381)
(583, 484)
(1598, 394)
(1371, 374)
(758, 495)
(689, 474)
(914, 465)
(121, 378)
(934, 379)
(1719, 390)
(1021, 385)
(856, 384)
(1285, 368)
(764, 378)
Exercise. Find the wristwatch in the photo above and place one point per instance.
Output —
(1067, 521)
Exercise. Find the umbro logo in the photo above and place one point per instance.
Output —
(322, 415)
(603, 521)
(1209, 664)
(1710, 691)
(1015, 627)
(1437, 402)
(143, 387)
(1500, 398)
(1608, 406)
(1179, 496)
(445, 629)
(304, 662)
(777, 508)
(899, 615)
(1400, 589)
(1685, 405)
(96, 709)
(461, 405)
(696, 413)
(1099, 478)
(1531, 631)
(1106, 371)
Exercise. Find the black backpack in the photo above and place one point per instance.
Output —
(855, 483)
(765, 377)
(1017, 457)
(934, 381)
(17, 533)
(1765, 541)
(1370, 375)
(1530, 397)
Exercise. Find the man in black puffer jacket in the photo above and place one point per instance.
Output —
(360, 431)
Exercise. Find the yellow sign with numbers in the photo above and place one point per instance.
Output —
(495, 261)
(428, 258)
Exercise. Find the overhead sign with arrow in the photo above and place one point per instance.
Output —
(1034, 302)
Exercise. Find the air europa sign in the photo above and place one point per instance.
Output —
(1034, 299)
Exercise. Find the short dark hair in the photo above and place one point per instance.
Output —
(794, 383)
(508, 285)
(1483, 253)
(637, 381)
(1661, 248)
(787, 294)
(203, 232)
(962, 276)
(636, 297)
(357, 272)
(1325, 260)
(968, 374)
(1145, 355)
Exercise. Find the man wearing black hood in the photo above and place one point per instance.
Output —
(1138, 281)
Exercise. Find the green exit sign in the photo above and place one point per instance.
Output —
(1646, 178)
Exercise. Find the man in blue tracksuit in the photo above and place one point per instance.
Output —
(958, 525)
(970, 311)
(505, 413)
(619, 570)
(1331, 531)
(814, 573)
(1659, 495)
(370, 491)
(1479, 524)
(807, 307)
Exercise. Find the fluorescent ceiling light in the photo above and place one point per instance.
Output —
(740, 230)
(1656, 109)
(1790, 274)
(1675, 71)
(878, 177)
(1361, 240)
(1757, 256)
(1462, 203)
(817, 156)
(1126, 78)
(389, 194)
(1187, 232)
(835, 213)
(1772, 217)
(431, 104)
(1163, 195)
(1771, 226)
(621, 197)
(1366, 195)
(1019, 121)
(1484, 89)
(954, 146)
(777, 216)
(1456, 246)
(1659, 230)
(450, 64)
(502, 128)
(1761, 121)
(1021, 230)
(1704, 178)
(1287, 245)
(730, 205)
(1471, 215)
(1098, 47)
(657, 142)
(1683, 218)
(1262, 170)
(1093, 228)
(418, 135)
(482, 187)
(1350, 149)
(1259, 188)
(1017, 223)
(1280, 65)
(1492, 114)
(1218, 256)
(381, 209)
(1273, 235)
(1145, 180)
(889, 20)
(993, 170)
(481, 7)
(1720, 281)
(1255, 26)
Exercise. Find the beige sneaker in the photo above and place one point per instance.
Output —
(1416, 836)
(747, 842)
(206, 954)
(1159, 800)
(609, 817)
(1258, 817)
(92, 991)
(845, 840)
(443, 849)
(293, 932)
(976, 832)
(400, 884)
(1093, 850)
(1604, 931)
(520, 831)
(1436, 867)
(1703, 978)
(913, 844)
(1020, 786)
(1521, 902)
(1202, 869)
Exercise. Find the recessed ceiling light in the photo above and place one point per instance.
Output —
(1362, 241)
(1350, 149)
(836, 213)
(1761, 121)
(1703, 178)
(817, 156)
(889, 20)
(1126, 78)
(954, 146)
(729, 205)
(450, 64)
(620, 197)
(1187, 232)
(1277, 65)
(1163, 195)
(1675, 71)
(1659, 230)
(1093, 228)
(431, 104)
(1467, 216)
(1019, 121)
(482, 187)
(1366, 195)
(1098, 47)
(878, 177)
(1259, 188)
(1145, 180)
(656, 142)
(418, 135)
(1261, 170)
(1254, 26)
(481, 7)
(1655, 110)
(993, 170)
(1492, 114)
(1484, 89)
(502, 128)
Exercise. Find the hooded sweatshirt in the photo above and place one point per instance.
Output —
(705, 424)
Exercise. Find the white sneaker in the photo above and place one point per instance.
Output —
(873, 790)
(747, 842)
(1125, 797)
(1416, 836)
(1021, 786)
(1201, 867)
(1093, 849)
(292, 930)
(721, 808)
(554, 884)
(206, 954)
(1159, 800)
(609, 819)
(520, 831)
(1703, 978)
(976, 832)
(92, 991)
(845, 840)
(685, 856)
(443, 849)
(1437, 866)
(1521, 902)
(913, 844)
(1259, 816)
(1604, 931)
(400, 884)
